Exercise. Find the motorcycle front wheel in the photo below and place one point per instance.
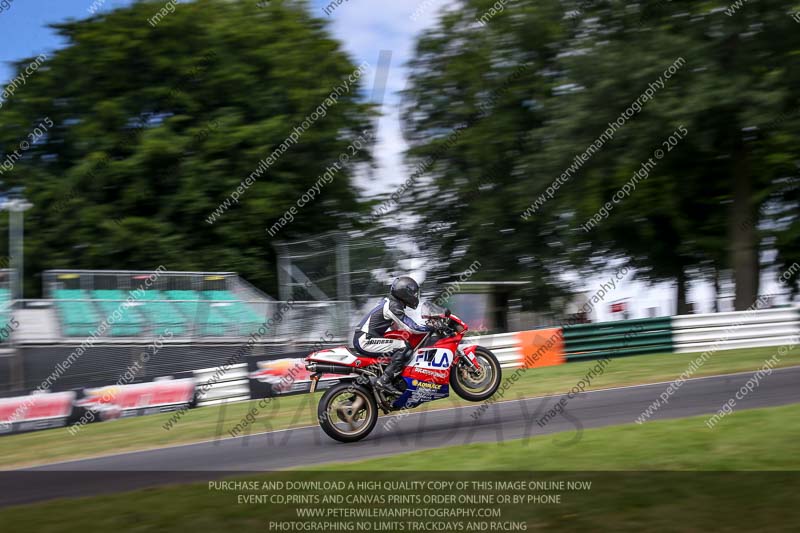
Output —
(477, 385)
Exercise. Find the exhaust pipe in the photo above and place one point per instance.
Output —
(330, 369)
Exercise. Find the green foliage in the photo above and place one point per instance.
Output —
(704, 206)
(154, 127)
(490, 84)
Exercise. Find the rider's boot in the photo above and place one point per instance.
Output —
(385, 382)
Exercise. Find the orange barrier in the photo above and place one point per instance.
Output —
(541, 347)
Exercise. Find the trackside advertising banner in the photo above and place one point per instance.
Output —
(35, 411)
(122, 401)
(76, 408)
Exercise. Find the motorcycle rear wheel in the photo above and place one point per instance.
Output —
(347, 412)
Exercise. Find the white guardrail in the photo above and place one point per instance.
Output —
(503, 345)
(233, 385)
(738, 329)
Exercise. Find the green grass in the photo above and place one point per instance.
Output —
(633, 497)
(757, 439)
(209, 423)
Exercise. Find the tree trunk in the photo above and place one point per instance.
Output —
(743, 234)
(683, 289)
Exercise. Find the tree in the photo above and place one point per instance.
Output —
(698, 210)
(702, 204)
(155, 127)
(475, 92)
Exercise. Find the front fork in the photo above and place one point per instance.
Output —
(468, 355)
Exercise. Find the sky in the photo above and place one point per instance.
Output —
(365, 28)
(24, 31)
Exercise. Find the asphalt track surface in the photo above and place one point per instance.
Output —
(513, 419)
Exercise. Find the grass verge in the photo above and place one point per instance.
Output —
(756, 439)
(640, 499)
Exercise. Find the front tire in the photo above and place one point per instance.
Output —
(347, 412)
(477, 386)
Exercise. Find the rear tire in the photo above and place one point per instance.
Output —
(347, 412)
(476, 387)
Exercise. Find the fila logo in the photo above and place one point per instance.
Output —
(433, 358)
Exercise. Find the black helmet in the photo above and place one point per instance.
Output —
(406, 290)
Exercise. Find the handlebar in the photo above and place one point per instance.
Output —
(446, 323)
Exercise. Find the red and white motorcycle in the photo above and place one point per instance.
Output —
(348, 411)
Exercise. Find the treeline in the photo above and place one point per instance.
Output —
(155, 127)
(663, 134)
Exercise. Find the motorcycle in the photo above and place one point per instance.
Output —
(348, 411)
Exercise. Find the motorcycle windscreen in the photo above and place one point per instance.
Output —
(429, 308)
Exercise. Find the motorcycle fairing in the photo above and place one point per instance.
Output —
(418, 392)
(427, 377)
(342, 355)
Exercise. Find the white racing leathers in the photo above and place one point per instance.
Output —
(368, 338)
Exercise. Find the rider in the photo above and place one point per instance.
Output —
(368, 339)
